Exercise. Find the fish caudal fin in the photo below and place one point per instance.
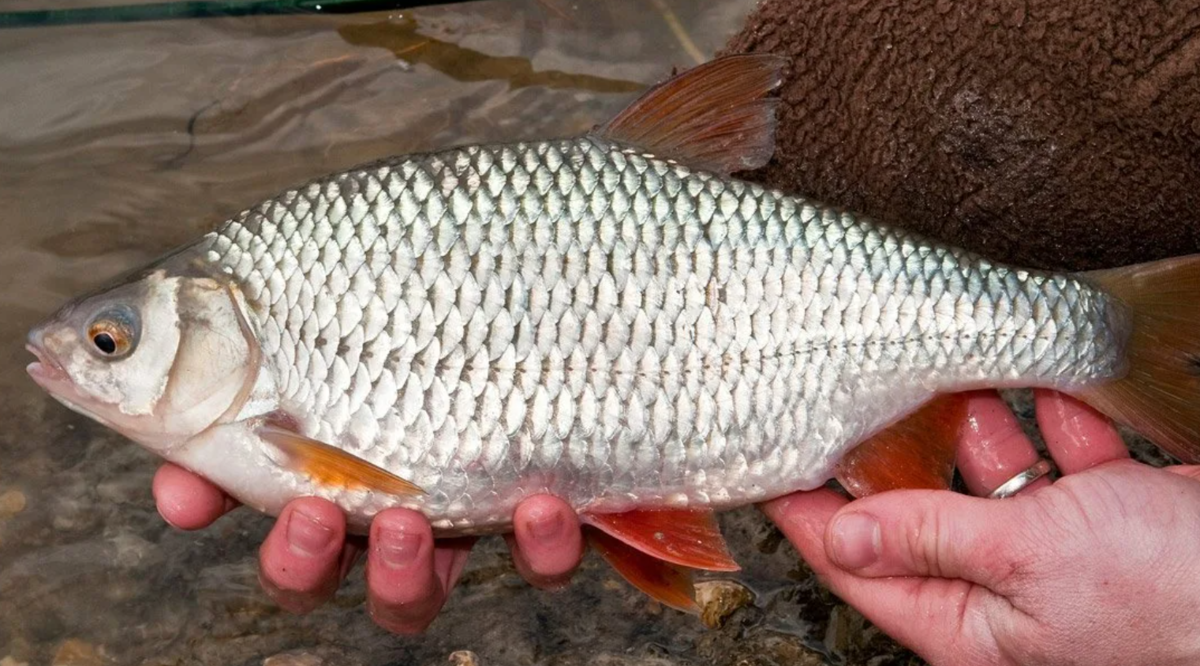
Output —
(915, 452)
(1159, 396)
(715, 116)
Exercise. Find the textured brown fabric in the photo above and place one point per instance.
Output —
(1058, 133)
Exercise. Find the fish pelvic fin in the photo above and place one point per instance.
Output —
(916, 452)
(687, 537)
(657, 549)
(1159, 395)
(332, 467)
(714, 117)
(666, 583)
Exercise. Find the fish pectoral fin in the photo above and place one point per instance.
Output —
(669, 584)
(330, 466)
(915, 452)
(687, 537)
(714, 116)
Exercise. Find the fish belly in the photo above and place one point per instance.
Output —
(587, 320)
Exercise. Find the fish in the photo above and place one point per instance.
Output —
(614, 319)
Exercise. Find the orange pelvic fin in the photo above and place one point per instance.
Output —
(715, 116)
(331, 466)
(664, 582)
(916, 452)
(689, 538)
(1159, 396)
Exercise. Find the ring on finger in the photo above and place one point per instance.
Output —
(1022, 479)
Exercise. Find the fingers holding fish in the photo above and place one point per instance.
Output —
(546, 543)
(301, 560)
(922, 612)
(187, 501)
(1077, 436)
(408, 575)
(992, 447)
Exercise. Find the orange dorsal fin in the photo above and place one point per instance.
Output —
(687, 537)
(669, 584)
(916, 452)
(715, 116)
(330, 466)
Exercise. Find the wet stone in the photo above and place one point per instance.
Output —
(12, 502)
(464, 658)
(294, 659)
(718, 599)
(74, 652)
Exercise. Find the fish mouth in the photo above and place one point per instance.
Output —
(49, 374)
(46, 371)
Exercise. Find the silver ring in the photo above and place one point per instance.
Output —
(1022, 479)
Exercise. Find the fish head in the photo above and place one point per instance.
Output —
(158, 357)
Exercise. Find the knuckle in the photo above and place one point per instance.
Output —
(927, 540)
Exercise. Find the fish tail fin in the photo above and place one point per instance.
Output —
(1159, 396)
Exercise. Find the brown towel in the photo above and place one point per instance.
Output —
(1054, 133)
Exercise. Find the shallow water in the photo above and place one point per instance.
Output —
(118, 142)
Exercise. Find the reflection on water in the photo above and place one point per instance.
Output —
(118, 142)
(404, 39)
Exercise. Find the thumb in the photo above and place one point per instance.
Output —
(937, 534)
(1190, 471)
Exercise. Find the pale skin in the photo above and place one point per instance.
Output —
(1096, 568)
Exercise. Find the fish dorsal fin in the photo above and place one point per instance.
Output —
(689, 538)
(916, 452)
(715, 116)
(330, 466)
(669, 584)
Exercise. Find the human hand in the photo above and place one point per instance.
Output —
(409, 575)
(1097, 568)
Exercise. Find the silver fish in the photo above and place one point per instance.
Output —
(612, 319)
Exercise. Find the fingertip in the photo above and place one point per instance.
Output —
(300, 561)
(547, 543)
(404, 594)
(187, 501)
(1188, 471)
(803, 518)
(1077, 436)
(404, 521)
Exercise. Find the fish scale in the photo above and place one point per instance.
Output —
(586, 319)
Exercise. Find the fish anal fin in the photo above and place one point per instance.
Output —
(687, 537)
(915, 452)
(714, 116)
(669, 584)
(330, 466)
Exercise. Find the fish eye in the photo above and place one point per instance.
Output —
(114, 332)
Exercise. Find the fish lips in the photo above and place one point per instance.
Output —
(45, 371)
(49, 374)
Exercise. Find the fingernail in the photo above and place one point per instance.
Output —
(306, 535)
(545, 527)
(397, 550)
(856, 541)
